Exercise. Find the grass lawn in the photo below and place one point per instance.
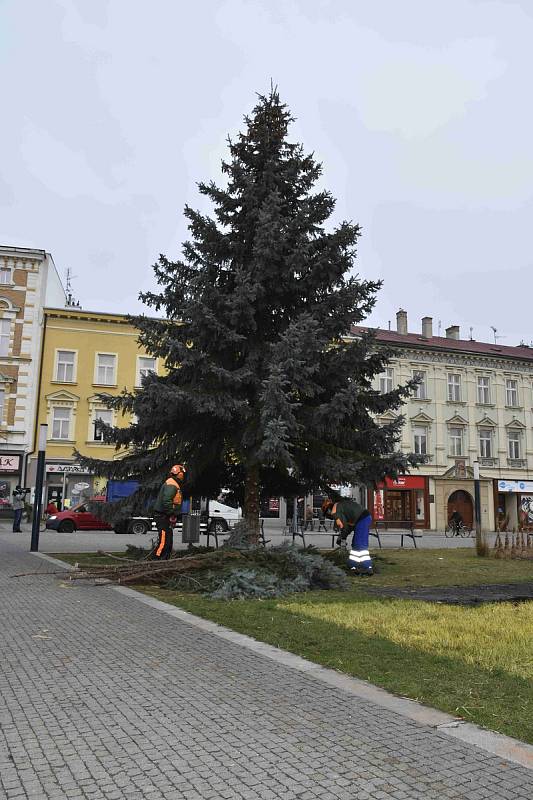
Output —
(474, 662)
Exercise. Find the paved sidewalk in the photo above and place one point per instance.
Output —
(102, 696)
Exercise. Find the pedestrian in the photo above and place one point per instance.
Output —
(19, 496)
(350, 517)
(166, 508)
(50, 509)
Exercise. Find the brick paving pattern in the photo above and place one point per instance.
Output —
(108, 699)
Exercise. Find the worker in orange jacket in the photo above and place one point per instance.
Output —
(166, 508)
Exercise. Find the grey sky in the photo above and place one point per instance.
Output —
(420, 111)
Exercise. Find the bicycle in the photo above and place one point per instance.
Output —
(456, 529)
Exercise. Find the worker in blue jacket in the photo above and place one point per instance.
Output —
(166, 509)
(350, 517)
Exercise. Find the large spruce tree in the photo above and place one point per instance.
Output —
(266, 389)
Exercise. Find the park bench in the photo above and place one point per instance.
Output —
(316, 527)
(402, 527)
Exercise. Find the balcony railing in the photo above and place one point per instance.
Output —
(517, 463)
(486, 461)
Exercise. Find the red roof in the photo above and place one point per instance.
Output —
(442, 343)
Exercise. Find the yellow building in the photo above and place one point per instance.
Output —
(84, 354)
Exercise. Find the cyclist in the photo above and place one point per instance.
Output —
(456, 521)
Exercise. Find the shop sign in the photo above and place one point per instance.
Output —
(9, 463)
(379, 511)
(515, 486)
(66, 468)
(404, 482)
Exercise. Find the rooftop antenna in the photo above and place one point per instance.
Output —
(471, 337)
(389, 324)
(496, 336)
(71, 301)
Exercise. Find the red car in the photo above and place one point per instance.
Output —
(76, 519)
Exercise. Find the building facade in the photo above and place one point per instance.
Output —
(84, 354)
(474, 403)
(28, 280)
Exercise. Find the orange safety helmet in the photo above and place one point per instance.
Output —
(178, 470)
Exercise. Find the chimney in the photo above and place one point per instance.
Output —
(452, 332)
(401, 321)
(427, 327)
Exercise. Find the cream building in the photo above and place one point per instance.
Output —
(28, 281)
(474, 403)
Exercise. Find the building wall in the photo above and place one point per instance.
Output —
(84, 334)
(25, 276)
(437, 414)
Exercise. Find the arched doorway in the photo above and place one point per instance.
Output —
(462, 502)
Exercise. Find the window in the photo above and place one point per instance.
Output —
(485, 443)
(456, 441)
(421, 390)
(61, 423)
(5, 276)
(421, 440)
(2, 404)
(106, 416)
(5, 335)
(385, 381)
(511, 392)
(483, 390)
(454, 388)
(144, 366)
(514, 442)
(106, 369)
(65, 366)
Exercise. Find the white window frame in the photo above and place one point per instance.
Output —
(511, 392)
(60, 438)
(454, 438)
(454, 387)
(483, 391)
(421, 391)
(97, 414)
(420, 440)
(514, 444)
(3, 403)
(97, 367)
(5, 337)
(140, 370)
(8, 271)
(485, 435)
(386, 380)
(74, 365)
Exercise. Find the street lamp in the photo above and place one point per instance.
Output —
(477, 506)
(39, 480)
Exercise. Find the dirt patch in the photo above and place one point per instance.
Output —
(462, 595)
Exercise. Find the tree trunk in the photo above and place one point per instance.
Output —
(251, 502)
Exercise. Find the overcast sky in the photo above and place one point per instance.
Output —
(419, 110)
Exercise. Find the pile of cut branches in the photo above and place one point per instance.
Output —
(221, 574)
(154, 572)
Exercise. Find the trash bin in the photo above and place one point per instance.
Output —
(190, 533)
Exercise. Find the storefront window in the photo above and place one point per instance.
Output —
(419, 501)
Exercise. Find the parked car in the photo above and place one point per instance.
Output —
(77, 518)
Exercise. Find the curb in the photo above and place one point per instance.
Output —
(491, 742)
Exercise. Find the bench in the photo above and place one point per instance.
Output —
(308, 529)
(212, 530)
(402, 527)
